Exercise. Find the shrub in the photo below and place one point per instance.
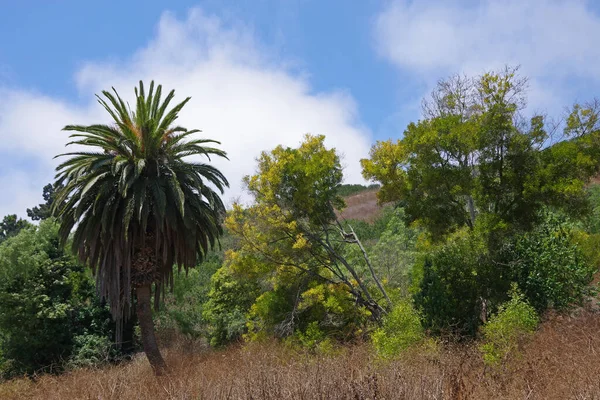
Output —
(369, 232)
(46, 301)
(514, 322)
(229, 300)
(455, 279)
(593, 222)
(91, 351)
(401, 329)
(395, 253)
(314, 339)
(548, 265)
(183, 308)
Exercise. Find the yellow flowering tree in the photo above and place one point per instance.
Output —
(291, 241)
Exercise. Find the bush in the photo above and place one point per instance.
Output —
(183, 308)
(46, 301)
(369, 232)
(467, 277)
(593, 222)
(229, 300)
(401, 329)
(314, 339)
(548, 265)
(395, 253)
(91, 351)
(456, 279)
(514, 322)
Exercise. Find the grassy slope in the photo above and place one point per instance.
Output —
(362, 206)
(561, 362)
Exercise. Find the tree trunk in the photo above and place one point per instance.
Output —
(471, 205)
(127, 339)
(373, 274)
(144, 315)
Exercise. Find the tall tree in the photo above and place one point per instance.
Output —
(11, 225)
(44, 210)
(474, 154)
(292, 235)
(138, 205)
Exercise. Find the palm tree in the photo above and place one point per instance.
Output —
(137, 205)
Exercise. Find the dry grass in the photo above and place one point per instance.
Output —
(362, 206)
(561, 362)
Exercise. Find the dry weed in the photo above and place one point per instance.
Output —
(561, 362)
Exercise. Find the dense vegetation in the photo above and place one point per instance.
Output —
(489, 222)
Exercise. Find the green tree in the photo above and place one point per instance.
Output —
(474, 154)
(395, 252)
(400, 330)
(456, 278)
(11, 225)
(137, 204)
(291, 242)
(47, 303)
(44, 210)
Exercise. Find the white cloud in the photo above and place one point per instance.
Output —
(553, 40)
(240, 96)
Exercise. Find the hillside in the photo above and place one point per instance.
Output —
(362, 206)
(561, 362)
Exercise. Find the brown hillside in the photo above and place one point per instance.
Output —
(362, 206)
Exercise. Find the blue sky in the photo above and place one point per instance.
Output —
(265, 72)
(331, 41)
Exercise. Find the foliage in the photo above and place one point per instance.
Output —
(90, 350)
(395, 253)
(135, 196)
(194, 307)
(593, 224)
(46, 302)
(314, 339)
(346, 190)
(189, 307)
(514, 322)
(463, 280)
(401, 329)
(184, 306)
(455, 278)
(44, 210)
(474, 155)
(303, 181)
(229, 300)
(11, 225)
(548, 265)
(370, 232)
(292, 248)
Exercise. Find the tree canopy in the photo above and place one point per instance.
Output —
(474, 153)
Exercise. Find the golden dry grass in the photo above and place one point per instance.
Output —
(561, 362)
(362, 206)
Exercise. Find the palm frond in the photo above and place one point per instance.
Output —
(137, 190)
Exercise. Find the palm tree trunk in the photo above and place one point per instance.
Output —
(144, 314)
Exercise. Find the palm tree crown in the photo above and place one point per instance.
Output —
(137, 206)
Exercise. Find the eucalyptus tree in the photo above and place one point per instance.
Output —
(136, 198)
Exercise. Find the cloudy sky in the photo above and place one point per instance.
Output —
(264, 72)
